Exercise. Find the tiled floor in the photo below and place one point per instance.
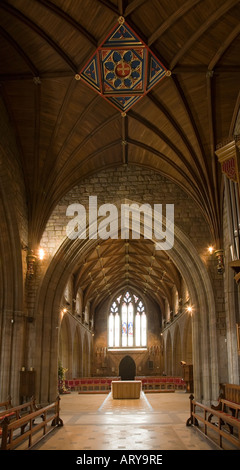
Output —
(97, 422)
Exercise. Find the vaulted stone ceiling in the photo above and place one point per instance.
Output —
(66, 131)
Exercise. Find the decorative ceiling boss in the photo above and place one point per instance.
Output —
(123, 69)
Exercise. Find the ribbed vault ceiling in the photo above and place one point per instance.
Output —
(65, 131)
(118, 264)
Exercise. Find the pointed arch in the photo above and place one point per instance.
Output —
(187, 260)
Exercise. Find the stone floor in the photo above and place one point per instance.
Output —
(97, 422)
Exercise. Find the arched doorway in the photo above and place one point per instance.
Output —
(127, 368)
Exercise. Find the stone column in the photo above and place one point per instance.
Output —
(11, 354)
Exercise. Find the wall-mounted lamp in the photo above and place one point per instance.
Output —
(62, 313)
(210, 250)
(41, 253)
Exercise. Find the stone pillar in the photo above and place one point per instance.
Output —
(6, 347)
(11, 354)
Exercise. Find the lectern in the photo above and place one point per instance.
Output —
(188, 377)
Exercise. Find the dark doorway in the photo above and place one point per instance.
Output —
(127, 368)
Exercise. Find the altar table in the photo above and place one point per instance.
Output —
(126, 388)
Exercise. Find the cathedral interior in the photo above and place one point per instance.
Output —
(107, 105)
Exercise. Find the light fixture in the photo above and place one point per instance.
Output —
(210, 249)
(189, 309)
(41, 253)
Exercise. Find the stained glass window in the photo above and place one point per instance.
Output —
(127, 325)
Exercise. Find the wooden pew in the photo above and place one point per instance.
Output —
(230, 392)
(219, 427)
(228, 401)
(23, 429)
(17, 412)
(6, 404)
(5, 408)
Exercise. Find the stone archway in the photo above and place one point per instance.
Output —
(127, 368)
(187, 260)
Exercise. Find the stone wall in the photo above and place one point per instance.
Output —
(148, 362)
(135, 184)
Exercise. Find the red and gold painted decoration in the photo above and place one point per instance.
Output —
(229, 168)
(228, 157)
(123, 69)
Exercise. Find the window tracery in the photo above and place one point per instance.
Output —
(127, 323)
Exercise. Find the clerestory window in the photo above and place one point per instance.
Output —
(127, 323)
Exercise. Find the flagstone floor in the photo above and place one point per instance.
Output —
(98, 422)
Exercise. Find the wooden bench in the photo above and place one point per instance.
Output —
(6, 404)
(15, 433)
(229, 392)
(17, 412)
(5, 408)
(219, 426)
(228, 401)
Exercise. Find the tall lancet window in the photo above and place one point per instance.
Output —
(127, 322)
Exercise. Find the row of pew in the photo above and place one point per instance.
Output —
(103, 384)
(221, 422)
(155, 384)
(26, 424)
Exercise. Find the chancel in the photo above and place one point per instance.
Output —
(119, 335)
